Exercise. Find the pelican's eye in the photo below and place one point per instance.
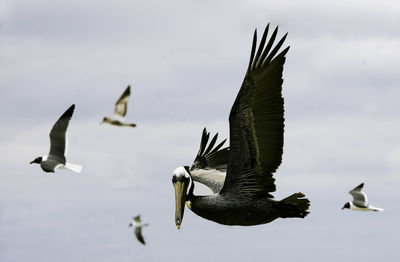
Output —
(183, 179)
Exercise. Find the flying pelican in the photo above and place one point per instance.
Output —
(121, 107)
(58, 146)
(360, 201)
(255, 152)
(138, 228)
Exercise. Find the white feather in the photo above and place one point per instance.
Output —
(73, 167)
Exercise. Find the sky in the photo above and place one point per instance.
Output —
(185, 61)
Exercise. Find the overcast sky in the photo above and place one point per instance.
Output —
(185, 61)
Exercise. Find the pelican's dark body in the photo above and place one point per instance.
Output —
(230, 210)
(223, 210)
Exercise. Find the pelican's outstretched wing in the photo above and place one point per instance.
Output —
(58, 135)
(256, 122)
(209, 166)
(359, 197)
(121, 106)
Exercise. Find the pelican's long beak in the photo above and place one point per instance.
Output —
(180, 198)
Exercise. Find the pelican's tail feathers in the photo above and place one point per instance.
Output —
(295, 205)
(73, 167)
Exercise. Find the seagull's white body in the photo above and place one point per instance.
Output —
(368, 208)
(360, 201)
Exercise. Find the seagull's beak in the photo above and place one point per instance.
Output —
(180, 198)
(32, 162)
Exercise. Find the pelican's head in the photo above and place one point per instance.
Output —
(37, 160)
(347, 205)
(184, 186)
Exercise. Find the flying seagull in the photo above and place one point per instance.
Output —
(138, 228)
(360, 201)
(58, 146)
(121, 107)
(256, 124)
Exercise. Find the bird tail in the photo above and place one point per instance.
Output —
(295, 205)
(73, 167)
(376, 208)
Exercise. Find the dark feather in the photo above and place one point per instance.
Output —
(138, 233)
(58, 135)
(214, 158)
(257, 123)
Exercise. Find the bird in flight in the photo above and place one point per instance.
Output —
(121, 107)
(360, 201)
(138, 228)
(256, 125)
(58, 146)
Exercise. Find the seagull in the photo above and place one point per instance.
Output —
(138, 228)
(256, 124)
(121, 107)
(360, 201)
(58, 146)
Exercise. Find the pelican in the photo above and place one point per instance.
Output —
(256, 124)
(58, 146)
(121, 107)
(138, 228)
(360, 201)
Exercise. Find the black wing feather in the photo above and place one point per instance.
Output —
(257, 124)
(58, 135)
(139, 236)
(215, 158)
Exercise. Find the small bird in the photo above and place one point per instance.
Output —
(360, 202)
(138, 228)
(121, 107)
(58, 146)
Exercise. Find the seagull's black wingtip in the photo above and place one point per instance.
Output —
(69, 111)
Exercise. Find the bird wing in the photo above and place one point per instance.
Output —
(209, 166)
(138, 233)
(256, 122)
(359, 197)
(121, 106)
(58, 135)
